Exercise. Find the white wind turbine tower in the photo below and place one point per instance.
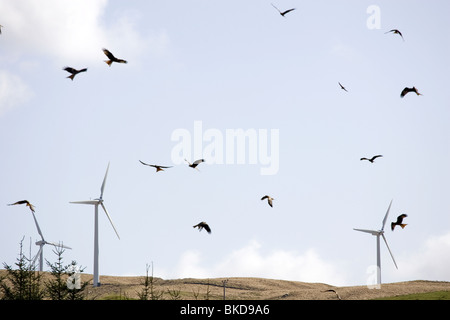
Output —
(96, 203)
(41, 243)
(379, 233)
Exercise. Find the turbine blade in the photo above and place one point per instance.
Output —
(37, 255)
(92, 202)
(385, 217)
(37, 226)
(103, 206)
(57, 245)
(385, 241)
(104, 181)
(372, 232)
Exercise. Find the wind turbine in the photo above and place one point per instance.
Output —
(41, 243)
(96, 203)
(379, 233)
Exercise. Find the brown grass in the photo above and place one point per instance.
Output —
(253, 289)
(122, 287)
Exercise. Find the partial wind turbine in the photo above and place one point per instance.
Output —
(379, 233)
(41, 243)
(96, 203)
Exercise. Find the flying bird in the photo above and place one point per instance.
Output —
(334, 291)
(407, 90)
(23, 202)
(399, 222)
(395, 31)
(73, 72)
(112, 58)
(158, 168)
(372, 159)
(195, 164)
(269, 200)
(284, 12)
(202, 225)
(342, 87)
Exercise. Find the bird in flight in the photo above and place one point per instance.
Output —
(112, 58)
(195, 164)
(284, 12)
(372, 159)
(399, 222)
(202, 225)
(73, 72)
(334, 291)
(407, 90)
(23, 202)
(269, 200)
(342, 87)
(395, 31)
(158, 168)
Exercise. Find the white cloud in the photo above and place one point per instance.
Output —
(72, 30)
(13, 91)
(430, 262)
(250, 262)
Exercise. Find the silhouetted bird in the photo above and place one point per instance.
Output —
(334, 291)
(74, 72)
(195, 164)
(158, 168)
(371, 159)
(202, 225)
(284, 12)
(395, 31)
(342, 87)
(408, 90)
(1, 29)
(23, 202)
(269, 200)
(399, 222)
(112, 58)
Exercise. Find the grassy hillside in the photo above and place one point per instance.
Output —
(116, 287)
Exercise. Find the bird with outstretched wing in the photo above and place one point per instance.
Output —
(372, 159)
(407, 90)
(73, 71)
(399, 222)
(112, 58)
(342, 87)
(203, 225)
(283, 13)
(269, 200)
(195, 163)
(396, 31)
(158, 167)
(28, 204)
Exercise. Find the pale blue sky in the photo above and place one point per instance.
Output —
(230, 65)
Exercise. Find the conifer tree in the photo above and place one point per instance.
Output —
(23, 283)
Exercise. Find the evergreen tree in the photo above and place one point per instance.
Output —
(75, 286)
(65, 283)
(148, 292)
(23, 283)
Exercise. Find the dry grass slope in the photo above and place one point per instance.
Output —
(120, 287)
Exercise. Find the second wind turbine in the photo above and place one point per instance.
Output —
(379, 233)
(96, 203)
